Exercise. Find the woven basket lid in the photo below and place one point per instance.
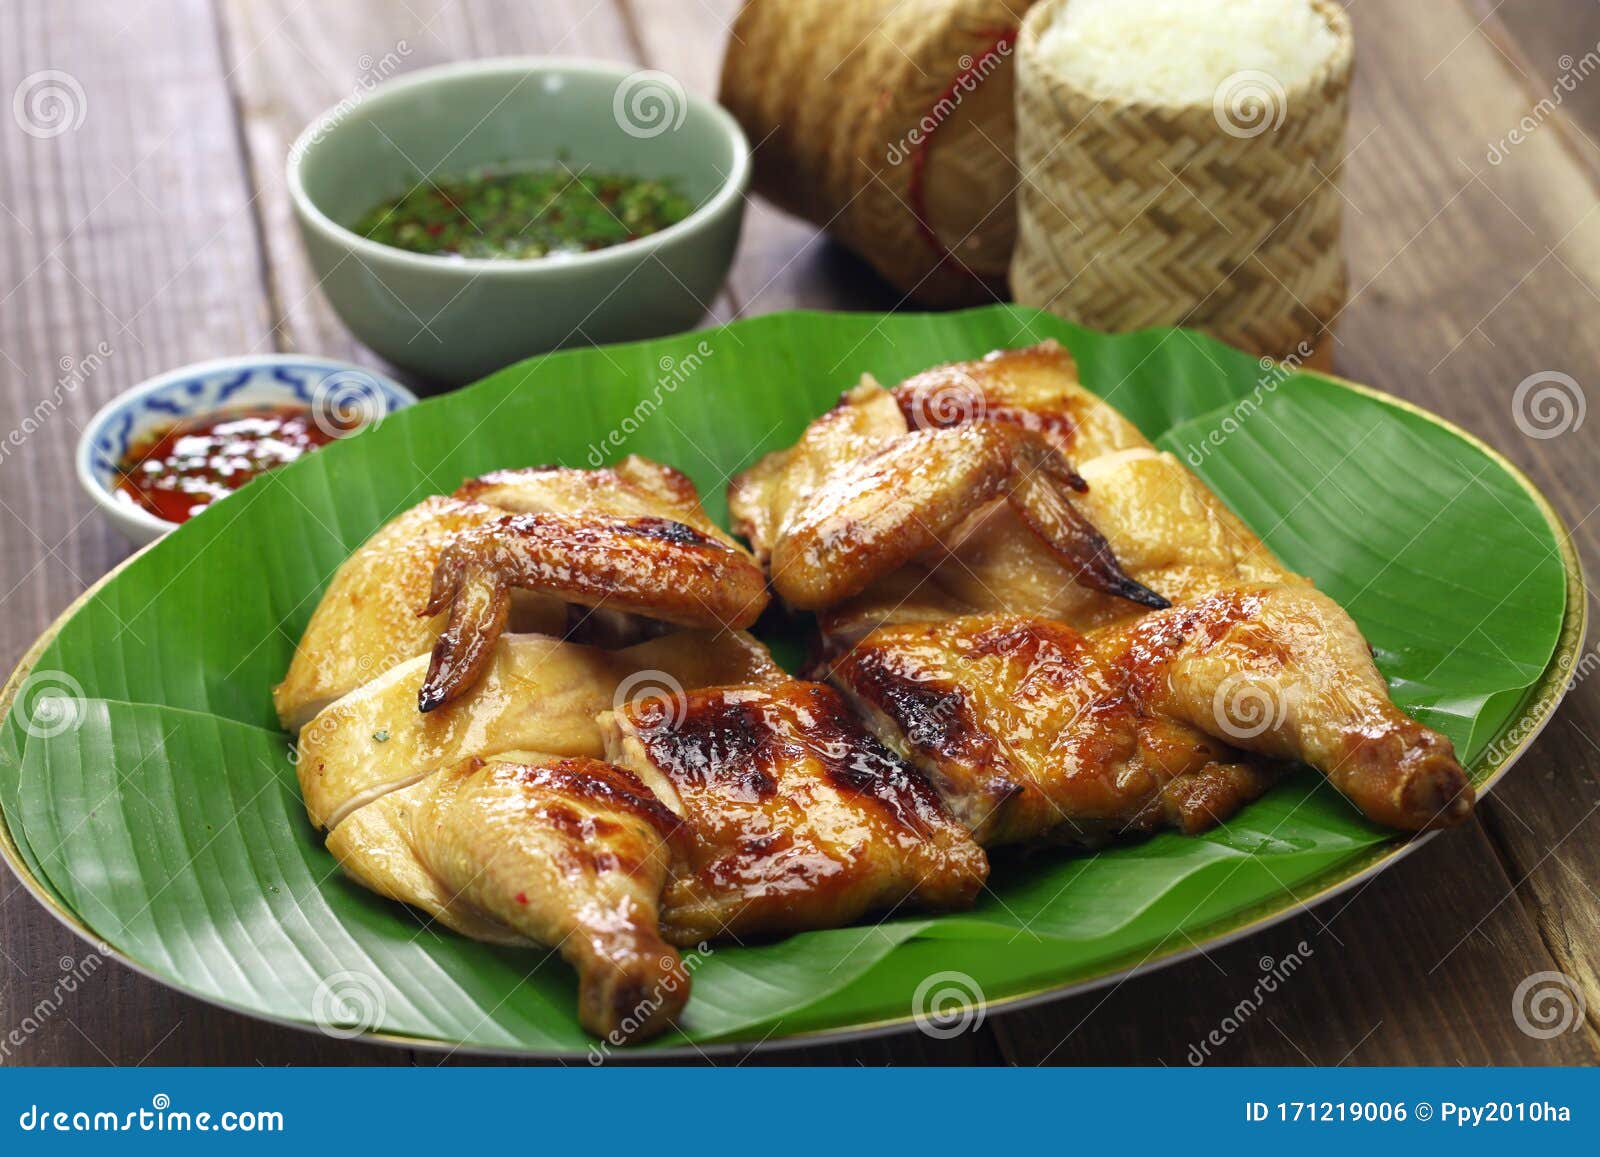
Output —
(1223, 215)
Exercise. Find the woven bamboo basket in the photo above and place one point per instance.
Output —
(889, 123)
(1222, 216)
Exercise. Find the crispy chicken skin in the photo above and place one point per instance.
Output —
(908, 498)
(1029, 733)
(645, 565)
(1282, 670)
(797, 817)
(572, 853)
(1024, 723)
(633, 487)
(1036, 388)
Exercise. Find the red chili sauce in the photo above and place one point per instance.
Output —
(177, 471)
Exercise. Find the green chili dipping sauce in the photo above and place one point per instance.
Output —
(178, 470)
(527, 212)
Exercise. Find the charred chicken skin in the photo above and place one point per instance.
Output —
(1029, 733)
(797, 818)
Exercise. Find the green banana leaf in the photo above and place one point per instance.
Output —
(164, 812)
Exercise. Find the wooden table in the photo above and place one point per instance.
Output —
(160, 227)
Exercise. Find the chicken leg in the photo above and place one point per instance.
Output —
(572, 854)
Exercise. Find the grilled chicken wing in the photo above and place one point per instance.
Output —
(908, 499)
(797, 818)
(639, 565)
(367, 620)
(889, 481)
(1029, 733)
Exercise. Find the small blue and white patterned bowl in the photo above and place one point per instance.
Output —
(354, 396)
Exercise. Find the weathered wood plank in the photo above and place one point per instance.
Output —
(127, 247)
(1512, 247)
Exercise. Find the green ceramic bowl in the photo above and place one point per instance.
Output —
(456, 319)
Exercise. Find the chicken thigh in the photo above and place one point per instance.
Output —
(1029, 734)
(1026, 725)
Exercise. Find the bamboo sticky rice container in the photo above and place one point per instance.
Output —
(1224, 216)
(889, 123)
